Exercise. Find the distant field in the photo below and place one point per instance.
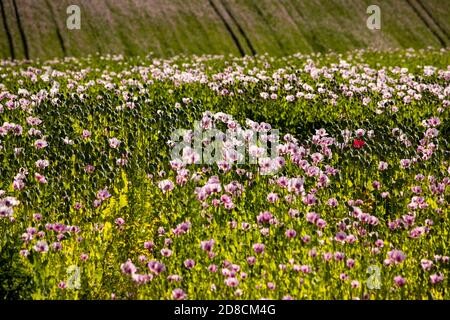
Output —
(37, 28)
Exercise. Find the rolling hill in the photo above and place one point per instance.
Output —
(37, 28)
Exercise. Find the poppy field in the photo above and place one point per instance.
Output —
(319, 176)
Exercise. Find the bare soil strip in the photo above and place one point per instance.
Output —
(58, 31)
(426, 21)
(8, 34)
(227, 26)
(434, 20)
(22, 33)
(241, 31)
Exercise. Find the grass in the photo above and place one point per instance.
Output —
(168, 28)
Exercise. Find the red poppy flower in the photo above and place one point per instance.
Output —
(358, 143)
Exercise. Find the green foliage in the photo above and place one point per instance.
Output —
(142, 107)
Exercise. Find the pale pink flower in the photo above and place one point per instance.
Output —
(114, 143)
(178, 294)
